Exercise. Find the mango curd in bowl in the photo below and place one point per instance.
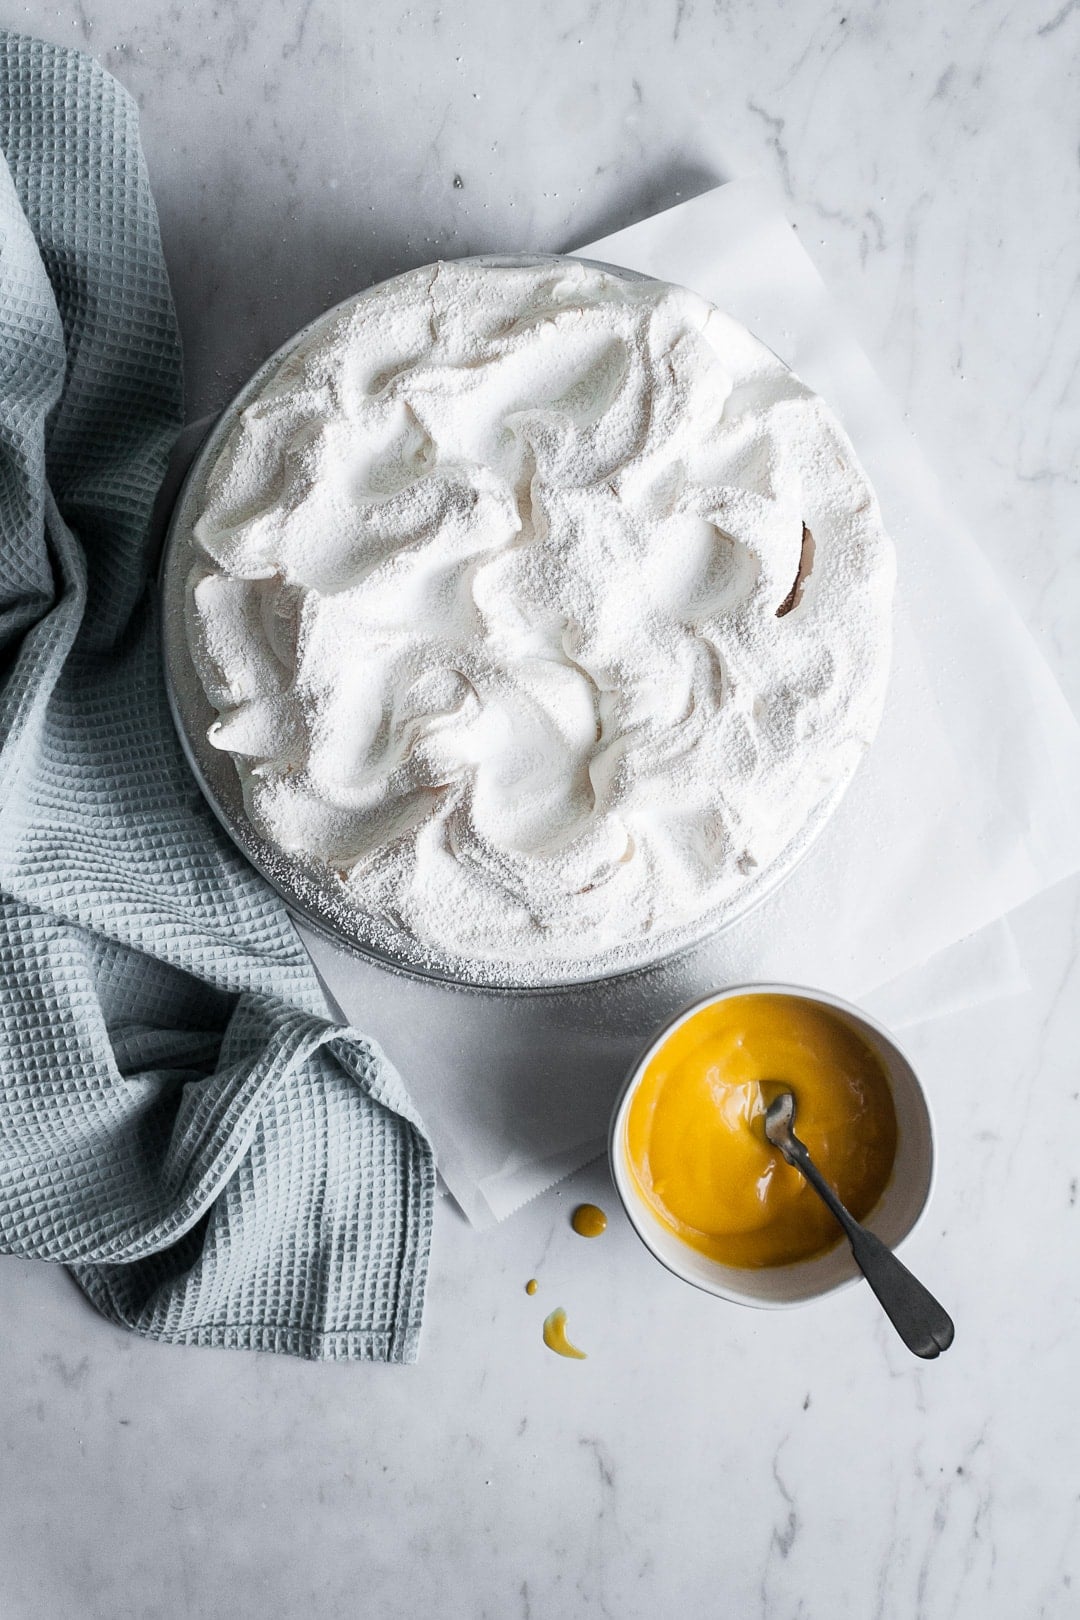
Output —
(694, 1145)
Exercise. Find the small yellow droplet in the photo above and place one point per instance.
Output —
(555, 1336)
(588, 1220)
(531, 1286)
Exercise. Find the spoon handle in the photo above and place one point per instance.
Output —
(924, 1325)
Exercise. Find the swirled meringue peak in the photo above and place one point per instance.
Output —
(545, 609)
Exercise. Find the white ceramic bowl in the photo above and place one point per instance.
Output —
(893, 1217)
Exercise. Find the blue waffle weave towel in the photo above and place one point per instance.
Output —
(179, 1121)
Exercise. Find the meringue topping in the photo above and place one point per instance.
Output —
(544, 607)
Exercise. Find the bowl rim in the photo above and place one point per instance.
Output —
(633, 1206)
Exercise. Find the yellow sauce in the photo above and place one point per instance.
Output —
(588, 1220)
(696, 1145)
(531, 1286)
(555, 1336)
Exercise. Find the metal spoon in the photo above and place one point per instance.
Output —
(913, 1311)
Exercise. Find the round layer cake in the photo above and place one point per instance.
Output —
(543, 611)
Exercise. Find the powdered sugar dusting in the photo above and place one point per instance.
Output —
(544, 608)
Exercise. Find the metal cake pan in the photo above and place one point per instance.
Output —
(311, 892)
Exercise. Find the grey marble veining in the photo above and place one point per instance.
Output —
(704, 1460)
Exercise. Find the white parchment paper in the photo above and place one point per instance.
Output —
(968, 804)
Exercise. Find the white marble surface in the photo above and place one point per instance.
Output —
(704, 1460)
